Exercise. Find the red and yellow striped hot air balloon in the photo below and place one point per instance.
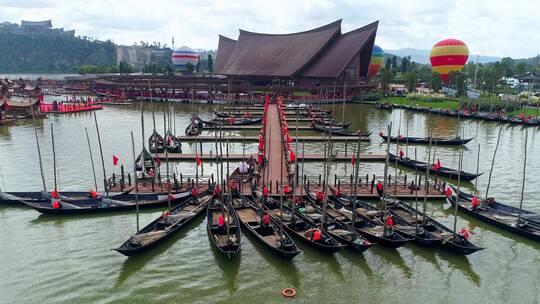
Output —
(449, 55)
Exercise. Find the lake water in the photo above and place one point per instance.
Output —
(68, 259)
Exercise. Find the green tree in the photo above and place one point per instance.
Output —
(411, 80)
(385, 78)
(405, 64)
(210, 64)
(394, 62)
(189, 68)
(388, 63)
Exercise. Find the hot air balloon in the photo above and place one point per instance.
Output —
(377, 60)
(184, 55)
(449, 55)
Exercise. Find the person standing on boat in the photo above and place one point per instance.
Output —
(389, 226)
(221, 223)
(475, 203)
(266, 222)
(380, 189)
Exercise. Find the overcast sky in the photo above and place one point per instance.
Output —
(497, 27)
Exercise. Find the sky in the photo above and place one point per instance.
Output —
(495, 28)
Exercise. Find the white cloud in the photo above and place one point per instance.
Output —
(499, 28)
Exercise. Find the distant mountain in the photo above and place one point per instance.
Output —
(422, 56)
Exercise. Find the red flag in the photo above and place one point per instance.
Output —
(198, 160)
(292, 156)
(260, 159)
(434, 167)
(230, 120)
(448, 192)
(115, 160)
(158, 161)
(289, 139)
(438, 164)
(401, 154)
(353, 159)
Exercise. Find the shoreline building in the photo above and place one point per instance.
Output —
(319, 59)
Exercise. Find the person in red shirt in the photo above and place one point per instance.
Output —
(475, 203)
(320, 196)
(401, 154)
(464, 233)
(265, 191)
(316, 236)
(266, 221)
(389, 226)
(217, 190)
(380, 189)
(221, 222)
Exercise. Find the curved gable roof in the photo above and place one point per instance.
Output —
(225, 48)
(339, 54)
(259, 54)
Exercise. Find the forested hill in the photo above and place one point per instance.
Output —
(52, 53)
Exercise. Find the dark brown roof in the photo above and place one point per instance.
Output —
(225, 48)
(341, 51)
(259, 54)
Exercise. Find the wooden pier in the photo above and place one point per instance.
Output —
(251, 138)
(187, 157)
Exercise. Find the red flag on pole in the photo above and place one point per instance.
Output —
(292, 156)
(438, 164)
(158, 161)
(353, 159)
(115, 160)
(198, 160)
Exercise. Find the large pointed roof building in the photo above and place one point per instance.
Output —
(321, 56)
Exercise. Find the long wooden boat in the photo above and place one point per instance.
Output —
(426, 140)
(104, 204)
(301, 227)
(371, 229)
(500, 215)
(337, 131)
(172, 143)
(278, 243)
(164, 227)
(336, 225)
(416, 230)
(442, 171)
(144, 161)
(195, 127)
(226, 239)
(156, 143)
(234, 122)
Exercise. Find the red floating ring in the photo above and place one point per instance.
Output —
(288, 292)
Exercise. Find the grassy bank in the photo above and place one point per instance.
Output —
(526, 111)
(449, 104)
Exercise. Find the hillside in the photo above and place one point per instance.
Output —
(52, 53)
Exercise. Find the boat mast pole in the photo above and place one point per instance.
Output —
(397, 155)
(415, 193)
(167, 161)
(477, 169)
(152, 105)
(523, 179)
(459, 189)
(101, 153)
(385, 182)
(302, 177)
(356, 173)
(344, 97)
(430, 132)
(493, 162)
(91, 158)
(325, 184)
(143, 162)
(135, 178)
(39, 152)
(54, 158)
(296, 179)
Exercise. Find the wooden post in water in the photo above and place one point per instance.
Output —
(102, 160)
(493, 162)
(54, 158)
(39, 153)
(523, 178)
(91, 158)
(477, 169)
(135, 176)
